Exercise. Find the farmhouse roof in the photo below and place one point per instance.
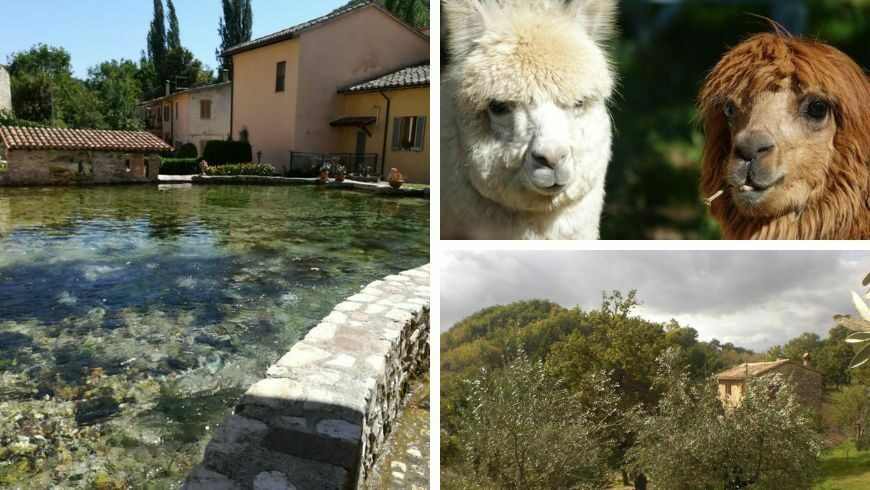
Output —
(752, 369)
(296, 30)
(15, 138)
(408, 77)
(188, 91)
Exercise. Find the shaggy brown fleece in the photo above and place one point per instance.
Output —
(760, 64)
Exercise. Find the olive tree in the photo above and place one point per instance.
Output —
(860, 325)
(523, 429)
(693, 440)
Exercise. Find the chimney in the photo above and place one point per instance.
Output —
(225, 75)
(167, 87)
(806, 359)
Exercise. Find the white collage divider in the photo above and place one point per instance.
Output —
(438, 247)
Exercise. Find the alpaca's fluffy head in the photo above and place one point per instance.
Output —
(529, 81)
(787, 125)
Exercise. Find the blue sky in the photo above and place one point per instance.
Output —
(98, 30)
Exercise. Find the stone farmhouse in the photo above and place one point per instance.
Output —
(5, 89)
(353, 82)
(194, 115)
(806, 381)
(49, 156)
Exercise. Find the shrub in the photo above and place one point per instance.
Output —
(219, 152)
(242, 169)
(187, 150)
(179, 166)
(7, 118)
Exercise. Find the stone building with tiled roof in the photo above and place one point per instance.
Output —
(807, 381)
(47, 156)
(289, 94)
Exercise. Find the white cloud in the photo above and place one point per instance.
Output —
(755, 299)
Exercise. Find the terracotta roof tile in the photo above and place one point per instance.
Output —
(15, 138)
(412, 76)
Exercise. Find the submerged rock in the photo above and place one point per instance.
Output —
(96, 410)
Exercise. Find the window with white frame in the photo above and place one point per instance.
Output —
(409, 133)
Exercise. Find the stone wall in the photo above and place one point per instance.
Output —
(320, 417)
(63, 167)
(5, 89)
(807, 383)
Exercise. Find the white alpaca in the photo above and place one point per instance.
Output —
(525, 133)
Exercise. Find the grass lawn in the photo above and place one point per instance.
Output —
(840, 472)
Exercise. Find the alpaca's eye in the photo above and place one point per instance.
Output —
(817, 110)
(579, 104)
(499, 108)
(729, 109)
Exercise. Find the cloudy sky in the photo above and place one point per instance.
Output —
(755, 299)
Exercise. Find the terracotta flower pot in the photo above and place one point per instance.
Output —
(339, 178)
(324, 175)
(395, 184)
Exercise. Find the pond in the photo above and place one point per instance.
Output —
(133, 318)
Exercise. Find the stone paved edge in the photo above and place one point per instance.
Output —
(320, 417)
(371, 187)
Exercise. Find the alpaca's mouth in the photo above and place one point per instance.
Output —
(751, 185)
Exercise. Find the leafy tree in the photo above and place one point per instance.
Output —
(184, 70)
(173, 35)
(166, 59)
(525, 429)
(117, 89)
(807, 342)
(235, 27)
(413, 12)
(45, 92)
(850, 405)
(834, 357)
(691, 440)
(39, 78)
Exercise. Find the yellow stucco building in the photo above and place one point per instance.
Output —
(294, 91)
(389, 115)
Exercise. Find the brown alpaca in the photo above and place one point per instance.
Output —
(787, 125)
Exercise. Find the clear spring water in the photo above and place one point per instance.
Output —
(132, 318)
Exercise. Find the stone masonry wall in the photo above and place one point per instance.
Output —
(58, 167)
(320, 417)
(807, 383)
(5, 90)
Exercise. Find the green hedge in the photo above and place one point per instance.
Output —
(187, 150)
(219, 152)
(242, 169)
(179, 166)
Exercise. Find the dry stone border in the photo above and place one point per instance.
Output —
(321, 416)
(372, 187)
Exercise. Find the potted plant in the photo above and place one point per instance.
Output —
(395, 178)
(203, 167)
(340, 172)
(324, 171)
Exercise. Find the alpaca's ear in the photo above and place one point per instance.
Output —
(598, 17)
(464, 22)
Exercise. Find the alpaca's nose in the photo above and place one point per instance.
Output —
(550, 156)
(750, 146)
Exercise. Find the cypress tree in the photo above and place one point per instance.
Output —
(157, 38)
(235, 27)
(173, 40)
